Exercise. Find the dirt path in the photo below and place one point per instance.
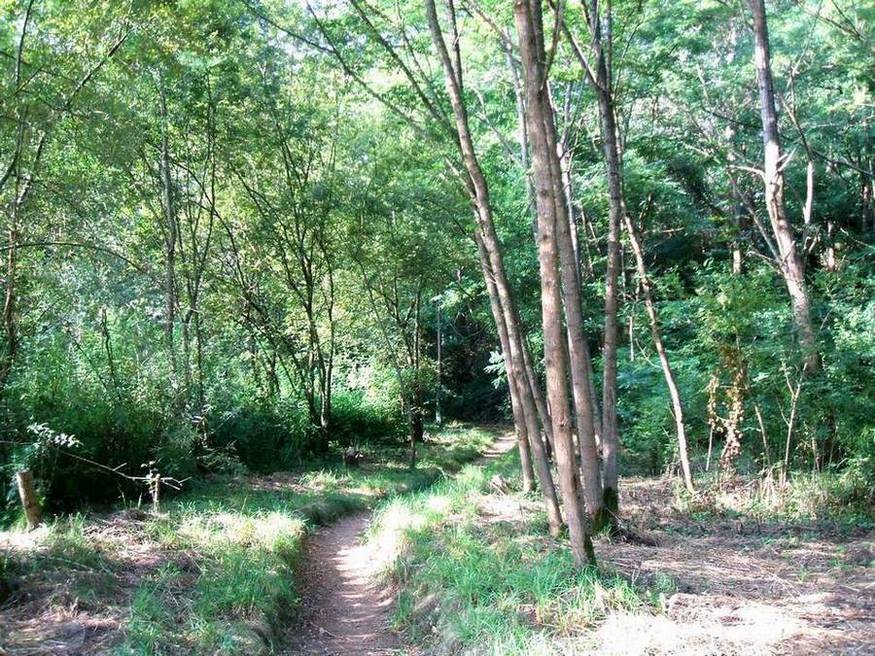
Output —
(344, 611)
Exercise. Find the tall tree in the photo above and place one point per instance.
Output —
(558, 283)
(599, 73)
(790, 263)
(493, 267)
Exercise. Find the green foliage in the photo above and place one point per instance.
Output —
(356, 420)
(265, 436)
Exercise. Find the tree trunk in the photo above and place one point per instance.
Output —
(674, 393)
(738, 205)
(418, 410)
(538, 396)
(790, 263)
(491, 260)
(528, 21)
(601, 80)
(610, 429)
(170, 231)
(519, 420)
(564, 153)
(29, 501)
(438, 416)
(578, 350)
(522, 135)
(9, 322)
(830, 261)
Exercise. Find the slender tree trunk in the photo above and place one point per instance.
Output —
(551, 196)
(564, 152)
(418, 416)
(9, 322)
(10, 300)
(528, 21)
(674, 393)
(493, 264)
(601, 81)
(170, 238)
(526, 422)
(327, 359)
(790, 262)
(538, 396)
(738, 205)
(516, 343)
(830, 261)
(610, 428)
(525, 160)
(519, 420)
(578, 350)
(522, 134)
(867, 200)
(438, 416)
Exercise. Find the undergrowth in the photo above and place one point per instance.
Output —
(843, 498)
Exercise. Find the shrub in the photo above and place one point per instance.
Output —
(356, 419)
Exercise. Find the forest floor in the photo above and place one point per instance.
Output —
(213, 571)
(744, 585)
(477, 574)
(343, 611)
(380, 561)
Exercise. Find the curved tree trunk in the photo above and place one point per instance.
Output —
(674, 393)
(519, 420)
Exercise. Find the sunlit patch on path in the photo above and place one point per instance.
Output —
(343, 611)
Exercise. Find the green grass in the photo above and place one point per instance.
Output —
(491, 585)
(248, 543)
(215, 567)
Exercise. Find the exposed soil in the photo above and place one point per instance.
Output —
(72, 609)
(743, 587)
(343, 611)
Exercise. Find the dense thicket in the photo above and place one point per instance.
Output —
(239, 231)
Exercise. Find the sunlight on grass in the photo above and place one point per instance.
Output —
(323, 480)
(215, 567)
(473, 584)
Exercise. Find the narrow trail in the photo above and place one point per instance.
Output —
(344, 610)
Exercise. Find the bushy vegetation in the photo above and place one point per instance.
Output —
(727, 339)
